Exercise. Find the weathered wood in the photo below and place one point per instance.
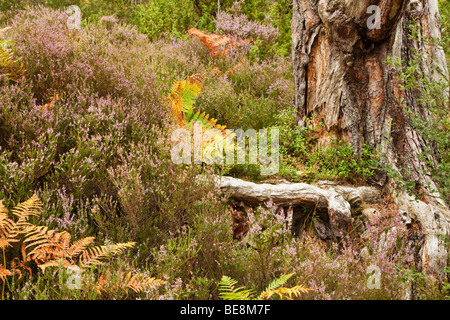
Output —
(294, 194)
(356, 196)
(434, 221)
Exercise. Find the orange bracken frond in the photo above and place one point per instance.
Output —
(79, 246)
(287, 293)
(214, 42)
(53, 99)
(217, 45)
(4, 272)
(93, 255)
(55, 263)
(8, 228)
(30, 207)
(137, 282)
(232, 45)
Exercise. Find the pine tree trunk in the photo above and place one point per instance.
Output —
(342, 78)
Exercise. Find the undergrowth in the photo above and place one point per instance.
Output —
(86, 127)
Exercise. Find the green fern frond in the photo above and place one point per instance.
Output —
(182, 97)
(227, 284)
(93, 255)
(229, 292)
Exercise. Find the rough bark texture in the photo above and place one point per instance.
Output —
(341, 77)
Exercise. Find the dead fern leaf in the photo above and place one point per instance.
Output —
(214, 42)
(53, 99)
(26, 209)
(217, 45)
(93, 255)
(55, 263)
(47, 248)
(4, 272)
(17, 263)
(137, 282)
(53, 248)
(9, 229)
(79, 246)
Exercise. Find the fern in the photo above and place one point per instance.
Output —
(275, 284)
(274, 288)
(4, 273)
(93, 255)
(53, 248)
(17, 263)
(9, 66)
(10, 229)
(182, 98)
(229, 292)
(137, 282)
(47, 248)
(217, 45)
(286, 292)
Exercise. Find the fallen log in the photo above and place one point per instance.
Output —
(334, 205)
(329, 204)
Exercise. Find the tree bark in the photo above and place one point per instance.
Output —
(342, 78)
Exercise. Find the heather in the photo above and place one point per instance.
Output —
(88, 130)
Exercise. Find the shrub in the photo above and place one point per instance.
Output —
(88, 130)
(90, 121)
(277, 13)
(251, 97)
(239, 27)
(160, 16)
(444, 10)
(302, 158)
